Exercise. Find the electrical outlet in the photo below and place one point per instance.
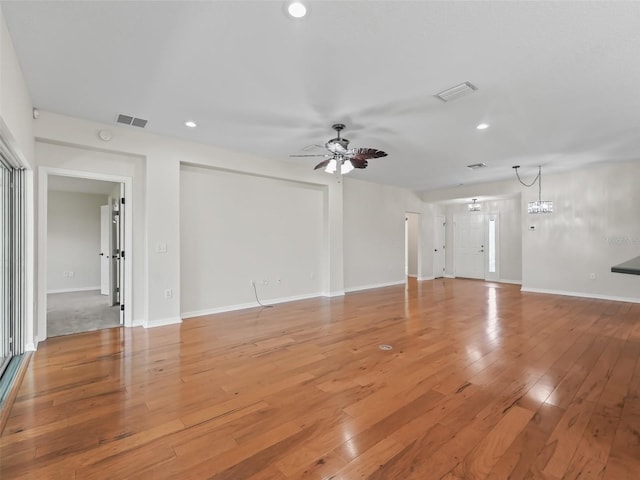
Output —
(168, 294)
(71, 273)
(65, 274)
(592, 276)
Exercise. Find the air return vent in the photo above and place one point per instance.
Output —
(456, 92)
(133, 121)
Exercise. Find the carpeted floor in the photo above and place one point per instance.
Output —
(79, 312)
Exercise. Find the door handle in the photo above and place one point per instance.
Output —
(101, 254)
(436, 250)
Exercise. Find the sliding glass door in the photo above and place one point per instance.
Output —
(12, 256)
(5, 265)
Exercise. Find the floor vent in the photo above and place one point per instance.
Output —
(129, 120)
(456, 92)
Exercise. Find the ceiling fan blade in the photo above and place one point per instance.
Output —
(365, 154)
(310, 155)
(312, 146)
(359, 163)
(322, 164)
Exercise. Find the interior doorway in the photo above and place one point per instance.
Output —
(439, 242)
(84, 242)
(412, 244)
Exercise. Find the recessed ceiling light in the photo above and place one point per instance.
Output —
(296, 9)
(482, 126)
(191, 124)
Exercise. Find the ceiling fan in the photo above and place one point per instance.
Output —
(341, 155)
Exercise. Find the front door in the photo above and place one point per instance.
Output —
(469, 250)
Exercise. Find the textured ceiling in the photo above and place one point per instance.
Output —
(557, 81)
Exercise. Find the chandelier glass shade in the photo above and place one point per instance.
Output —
(474, 207)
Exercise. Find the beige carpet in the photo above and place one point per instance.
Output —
(79, 312)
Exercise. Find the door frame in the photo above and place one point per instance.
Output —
(488, 277)
(444, 244)
(43, 201)
(418, 239)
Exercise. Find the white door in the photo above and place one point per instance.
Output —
(469, 250)
(438, 243)
(105, 235)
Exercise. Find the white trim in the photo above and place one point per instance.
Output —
(448, 275)
(43, 181)
(138, 322)
(506, 280)
(242, 306)
(70, 290)
(162, 322)
(337, 293)
(30, 347)
(376, 285)
(421, 279)
(581, 295)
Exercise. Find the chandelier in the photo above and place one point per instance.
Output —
(539, 206)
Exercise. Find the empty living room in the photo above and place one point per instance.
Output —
(273, 240)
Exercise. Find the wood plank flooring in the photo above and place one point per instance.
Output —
(483, 382)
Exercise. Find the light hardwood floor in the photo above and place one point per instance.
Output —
(483, 382)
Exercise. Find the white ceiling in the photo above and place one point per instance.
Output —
(557, 81)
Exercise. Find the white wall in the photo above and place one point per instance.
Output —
(73, 235)
(236, 228)
(595, 225)
(374, 239)
(161, 160)
(15, 102)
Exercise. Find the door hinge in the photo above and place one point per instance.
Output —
(122, 201)
(122, 307)
(122, 254)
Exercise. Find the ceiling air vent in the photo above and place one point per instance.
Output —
(133, 121)
(456, 92)
(475, 166)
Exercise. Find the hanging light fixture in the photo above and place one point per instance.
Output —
(539, 206)
(474, 207)
(345, 166)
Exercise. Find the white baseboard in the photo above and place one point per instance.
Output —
(70, 290)
(420, 279)
(506, 280)
(162, 322)
(138, 323)
(30, 347)
(337, 293)
(242, 306)
(581, 295)
(448, 275)
(375, 285)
